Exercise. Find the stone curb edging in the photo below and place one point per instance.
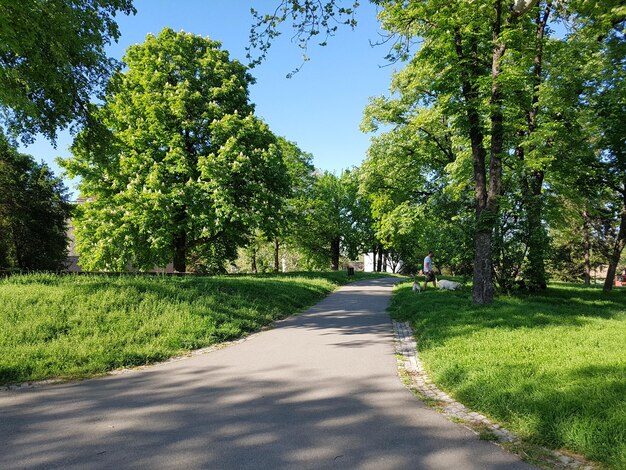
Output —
(410, 365)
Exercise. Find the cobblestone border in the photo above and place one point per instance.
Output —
(409, 365)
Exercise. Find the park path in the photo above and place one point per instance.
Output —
(320, 390)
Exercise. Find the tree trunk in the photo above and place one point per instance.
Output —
(533, 182)
(276, 257)
(379, 267)
(587, 247)
(482, 292)
(374, 253)
(384, 269)
(334, 246)
(253, 261)
(617, 248)
(180, 240)
(536, 236)
(180, 252)
(470, 72)
(487, 212)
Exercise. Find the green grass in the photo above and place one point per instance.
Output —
(69, 327)
(551, 367)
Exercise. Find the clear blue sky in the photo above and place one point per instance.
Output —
(319, 108)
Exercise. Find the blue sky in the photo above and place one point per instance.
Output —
(319, 108)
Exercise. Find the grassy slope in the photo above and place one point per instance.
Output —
(552, 368)
(77, 326)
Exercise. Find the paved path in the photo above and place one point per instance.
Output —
(320, 390)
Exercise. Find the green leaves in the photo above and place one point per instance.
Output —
(187, 166)
(52, 59)
(34, 210)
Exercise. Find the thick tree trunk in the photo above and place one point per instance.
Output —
(180, 240)
(587, 247)
(617, 249)
(482, 292)
(470, 72)
(276, 257)
(180, 252)
(334, 246)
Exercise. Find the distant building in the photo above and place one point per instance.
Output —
(389, 265)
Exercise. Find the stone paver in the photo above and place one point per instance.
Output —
(410, 365)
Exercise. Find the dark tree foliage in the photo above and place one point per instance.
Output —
(34, 211)
(52, 59)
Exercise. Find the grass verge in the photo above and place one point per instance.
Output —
(550, 367)
(67, 327)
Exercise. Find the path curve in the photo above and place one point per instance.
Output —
(320, 390)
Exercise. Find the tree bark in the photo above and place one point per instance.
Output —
(587, 247)
(533, 181)
(482, 292)
(617, 248)
(276, 260)
(253, 261)
(180, 252)
(334, 246)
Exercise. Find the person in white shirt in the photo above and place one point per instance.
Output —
(429, 275)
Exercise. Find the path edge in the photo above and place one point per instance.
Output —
(415, 378)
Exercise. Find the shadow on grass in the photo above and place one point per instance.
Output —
(584, 410)
(551, 367)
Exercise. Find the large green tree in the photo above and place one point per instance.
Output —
(34, 211)
(176, 167)
(52, 59)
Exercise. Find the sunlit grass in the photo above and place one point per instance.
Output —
(551, 367)
(77, 326)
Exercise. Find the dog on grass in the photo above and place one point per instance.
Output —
(416, 287)
(448, 285)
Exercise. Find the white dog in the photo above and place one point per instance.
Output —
(416, 287)
(449, 285)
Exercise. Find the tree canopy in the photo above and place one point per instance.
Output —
(52, 60)
(177, 166)
(490, 88)
(34, 212)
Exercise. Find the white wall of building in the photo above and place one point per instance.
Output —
(368, 264)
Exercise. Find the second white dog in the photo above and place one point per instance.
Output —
(449, 285)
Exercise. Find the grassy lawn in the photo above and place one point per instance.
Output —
(77, 326)
(551, 368)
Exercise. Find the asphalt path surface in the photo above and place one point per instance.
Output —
(319, 390)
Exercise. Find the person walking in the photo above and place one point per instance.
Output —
(429, 275)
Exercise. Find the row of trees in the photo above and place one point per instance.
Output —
(496, 122)
(175, 166)
(503, 139)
